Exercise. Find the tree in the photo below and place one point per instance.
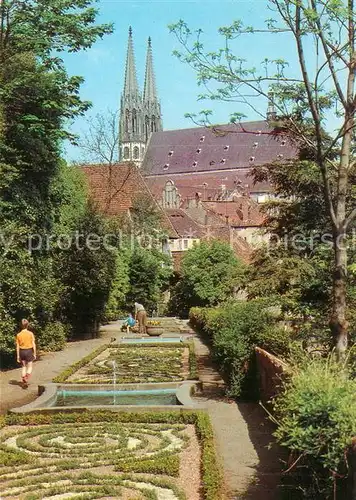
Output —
(325, 31)
(149, 273)
(100, 144)
(37, 101)
(210, 274)
(297, 269)
(87, 270)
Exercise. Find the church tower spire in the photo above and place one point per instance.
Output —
(151, 104)
(132, 137)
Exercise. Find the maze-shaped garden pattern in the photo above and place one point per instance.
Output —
(134, 364)
(97, 460)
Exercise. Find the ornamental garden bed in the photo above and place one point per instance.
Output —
(162, 456)
(134, 364)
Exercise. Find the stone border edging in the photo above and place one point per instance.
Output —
(48, 394)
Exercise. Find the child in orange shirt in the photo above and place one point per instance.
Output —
(25, 350)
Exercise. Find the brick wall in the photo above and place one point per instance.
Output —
(270, 370)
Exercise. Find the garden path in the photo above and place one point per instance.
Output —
(48, 366)
(243, 434)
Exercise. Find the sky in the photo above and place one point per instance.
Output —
(103, 65)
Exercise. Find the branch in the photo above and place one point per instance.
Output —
(298, 37)
(328, 56)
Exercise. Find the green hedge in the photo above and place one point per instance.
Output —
(210, 469)
(193, 367)
(234, 330)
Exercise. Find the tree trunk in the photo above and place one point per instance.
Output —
(339, 324)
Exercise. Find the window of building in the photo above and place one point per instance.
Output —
(147, 127)
(136, 153)
(126, 153)
(127, 120)
(134, 121)
(185, 244)
(153, 124)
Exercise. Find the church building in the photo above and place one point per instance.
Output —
(140, 114)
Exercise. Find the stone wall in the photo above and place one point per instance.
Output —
(270, 371)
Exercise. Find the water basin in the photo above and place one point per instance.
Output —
(166, 395)
(159, 397)
(151, 340)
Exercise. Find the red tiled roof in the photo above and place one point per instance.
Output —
(208, 184)
(243, 212)
(114, 188)
(184, 225)
(207, 149)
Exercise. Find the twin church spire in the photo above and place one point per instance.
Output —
(140, 115)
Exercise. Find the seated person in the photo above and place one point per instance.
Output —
(128, 323)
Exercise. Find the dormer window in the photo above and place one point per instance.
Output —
(255, 144)
(252, 159)
(194, 164)
(202, 139)
(283, 142)
(226, 148)
(170, 153)
(280, 155)
(223, 160)
(259, 132)
(199, 150)
(212, 162)
(165, 167)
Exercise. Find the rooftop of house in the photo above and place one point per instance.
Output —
(113, 189)
(209, 185)
(218, 148)
(244, 212)
(183, 224)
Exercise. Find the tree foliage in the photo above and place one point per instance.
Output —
(210, 274)
(323, 34)
(38, 194)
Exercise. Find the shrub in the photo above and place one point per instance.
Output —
(234, 330)
(52, 337)
(316, 415)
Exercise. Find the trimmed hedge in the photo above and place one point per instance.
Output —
(210, 469)
(234, 331)
(68, 372)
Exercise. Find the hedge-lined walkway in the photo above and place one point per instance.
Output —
(251, 470)
(47, 367)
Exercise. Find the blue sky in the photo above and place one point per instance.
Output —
(103, 65)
